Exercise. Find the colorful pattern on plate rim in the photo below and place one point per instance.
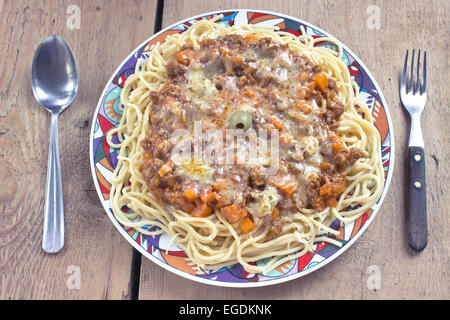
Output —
(104, 160)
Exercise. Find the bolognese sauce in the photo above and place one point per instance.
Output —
(239, 81)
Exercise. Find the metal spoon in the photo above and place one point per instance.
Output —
(54, 79)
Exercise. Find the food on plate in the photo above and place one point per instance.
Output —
(243, 144)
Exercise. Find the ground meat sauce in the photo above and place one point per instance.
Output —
(283, 91)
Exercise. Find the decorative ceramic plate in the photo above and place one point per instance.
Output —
(103, 159)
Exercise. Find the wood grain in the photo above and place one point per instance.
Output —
(404, 273)
(109, 30)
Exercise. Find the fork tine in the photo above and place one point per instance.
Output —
(417, 82)
(424, 72)
(410, 79)
(403, 77)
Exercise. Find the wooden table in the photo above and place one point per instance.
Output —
(107, 265)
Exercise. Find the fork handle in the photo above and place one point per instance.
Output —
(417, 231)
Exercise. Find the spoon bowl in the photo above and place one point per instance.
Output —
(54, 80)
(54, 75)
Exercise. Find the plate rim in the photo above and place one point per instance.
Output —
(280, 279)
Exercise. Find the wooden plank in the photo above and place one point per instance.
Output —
(94, 249)
(404, 274)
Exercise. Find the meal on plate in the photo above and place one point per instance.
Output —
(243, 144)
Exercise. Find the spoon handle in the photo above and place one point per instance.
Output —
(53, 236)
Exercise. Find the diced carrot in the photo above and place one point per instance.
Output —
(337, 143)
(321, 80)
(331, 202)
(287, 186)
(334, 187)
(324, 165)
(246, 225)
(249, 93)
(190, 194)
(325, 189)
(202, 210)
(234, 213)
(251, 38)
(304, 107)
(166, 168)
(334, 137)
(148, 155)
(208, 197)
(186, 56)
(275, 212)
(277, 122)
(338, 147)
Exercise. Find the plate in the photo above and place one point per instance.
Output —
(103, 159)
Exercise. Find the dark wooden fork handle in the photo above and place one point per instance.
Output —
(417, 201)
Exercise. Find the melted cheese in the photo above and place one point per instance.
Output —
(310, 173)
(267, 200)
(196, 171)
(200, 84)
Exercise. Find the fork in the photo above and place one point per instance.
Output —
(413, 95)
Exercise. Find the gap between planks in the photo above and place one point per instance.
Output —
(136, 260)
